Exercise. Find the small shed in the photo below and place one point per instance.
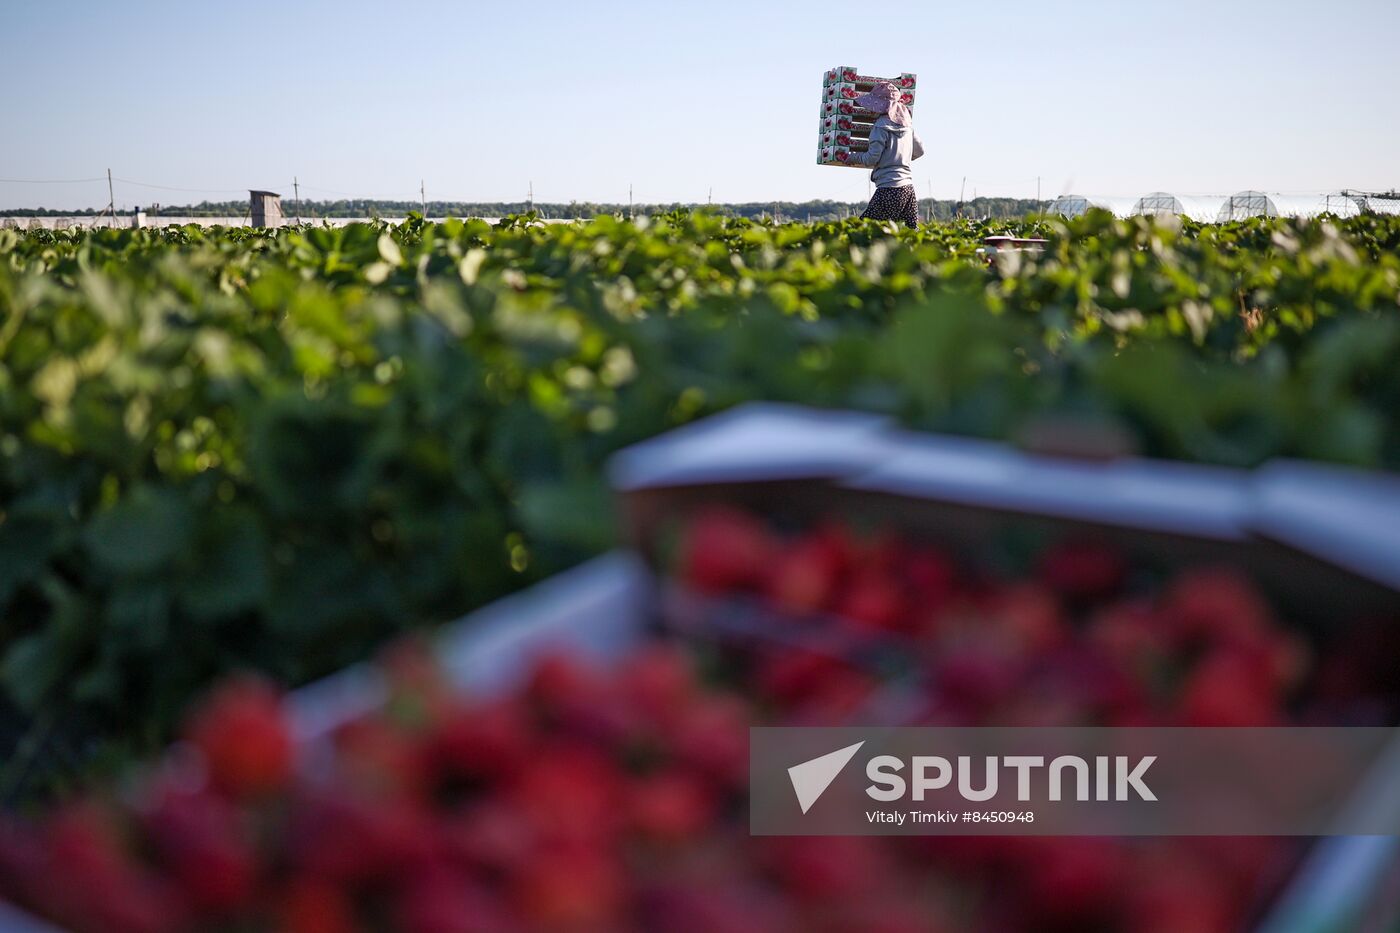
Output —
(265, 208)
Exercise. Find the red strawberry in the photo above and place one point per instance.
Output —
(1228, 690)
(243, 734)
(571, 888)
(1214, 605)
(1170, 893)
(656, 680)
(355, 840)
(726, 550)
(493, 836)
(381, 758)
(932, 580)
(790, 676)
(805, 576)
(873, 600)
(828, 869)
(713, 737)
(1076, 883)
(439, 901)
(309, 905)
(90, 885)
(489, 740)
(1082, 569)
(670, 807)
(1030, 616)
(1131, 635)
(570, 792)
(203, 844)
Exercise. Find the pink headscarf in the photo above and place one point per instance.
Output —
(886, 98)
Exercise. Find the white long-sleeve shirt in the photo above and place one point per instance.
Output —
(892, 148)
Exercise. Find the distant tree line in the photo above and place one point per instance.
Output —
(756, 210)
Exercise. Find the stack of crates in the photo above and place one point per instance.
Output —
(844, 128)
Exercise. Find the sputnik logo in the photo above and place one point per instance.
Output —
(811, 778)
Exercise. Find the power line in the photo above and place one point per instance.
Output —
(50, 181)
(146, 184)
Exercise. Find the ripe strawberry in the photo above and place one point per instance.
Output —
(570, 792)
(1131, 635)
(931, 575)
(725, 550)
(1029, 616)
(381, 758)
(492, 835)
(658, 680)
(1227, 690)
(1216, 605)
(561, 682)
(670, 807)
(112, 895)
(713, 737)
(972, 679)
(873, 600)
(571, 888)
(805, 576)
(716, 905)
(789, 676)
(835, 699)
(201, 840)
(440, 901)
(243, 735)
(1170, 893)
(309, 905)
(1076, 882)
(356, 840)
(488, 741)
(828, 869)
(1082, 570)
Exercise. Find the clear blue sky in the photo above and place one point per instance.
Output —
(1109, 97)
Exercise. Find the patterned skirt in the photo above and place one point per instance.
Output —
(894, 204)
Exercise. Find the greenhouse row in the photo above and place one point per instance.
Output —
(1238, 206)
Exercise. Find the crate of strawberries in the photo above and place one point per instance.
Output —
(575, 757)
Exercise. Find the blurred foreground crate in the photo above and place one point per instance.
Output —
(1322, 541)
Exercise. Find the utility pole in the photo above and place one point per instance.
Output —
(530, 198)
(629, 201)
(111, 201)
(710, 198)
(296, 194)
(423, 196)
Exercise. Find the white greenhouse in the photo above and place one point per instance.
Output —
(1244, 204)
(1164, 202)
(1072, 205)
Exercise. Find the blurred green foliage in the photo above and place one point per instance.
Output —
(230, 447)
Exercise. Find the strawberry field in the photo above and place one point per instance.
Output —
(236, 450)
